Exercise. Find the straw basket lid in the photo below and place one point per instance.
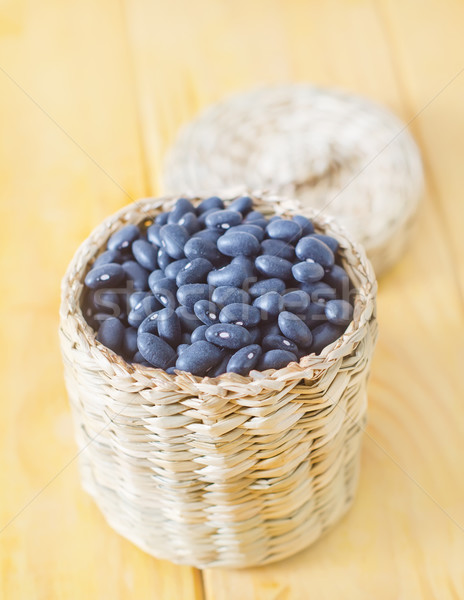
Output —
(337, 152)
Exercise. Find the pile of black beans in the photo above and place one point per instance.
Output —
(213, 289)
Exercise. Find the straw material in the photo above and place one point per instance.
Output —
(332, 150)
(233, 471)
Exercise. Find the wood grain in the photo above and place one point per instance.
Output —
(91, 96)
(70, 153)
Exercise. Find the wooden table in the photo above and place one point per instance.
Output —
(91, 95)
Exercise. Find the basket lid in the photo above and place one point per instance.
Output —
(338, 153)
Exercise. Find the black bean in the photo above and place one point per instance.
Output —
(207, 312)
(107, 301)
(201, 248)
(173, 239)
(255, 215)
(221, 367)
(173, 268)
(111, 334)
(240, 314)
(145, 254)
(190, 293)
(276, 359)
(199, 334)
(246, 264)
(296, 301)
(150, 323)
(231, 275)
(274, 266)
(154, 277)
(258, 222)
(202, 218)
(242, 205)
(285, 230)
(163, 258)
(188, 319)
(330, 241)
(181, 208)
(208, 234)
(267, 285)
(153, 234)
(213, 203)
(186, 337)
(311, 247)
(108, 256)
(96, 319)
(223, 219)
(141, 310)
(308, 272)
(279, 342)
(306, 225)
(123, 238)
(238, 243)
(199, 358)
(190, 222)
(339, 312)
(136, 274)
(194, 271)
(270, 328)
(169, 328)
(258, 232)
(227, 335)
(255, 335)
(244, 360)
(226, 294)
(105, 276)
(325, 334)
(278, 248)
(137, 297)
(315, 314)
(155, 350)
(138, 359)
(129, 344)
(338, 279)
(293, 328)
(319, 291)
(270, 304)
(162, 218)
(165, 291)
(181, 348)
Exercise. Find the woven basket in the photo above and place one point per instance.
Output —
(233, 471)
(337, 152)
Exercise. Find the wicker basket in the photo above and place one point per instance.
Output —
(233, 471)
(336, 152)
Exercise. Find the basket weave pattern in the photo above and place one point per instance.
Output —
(232, 471)
(334, 151)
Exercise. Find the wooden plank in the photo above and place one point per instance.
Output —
(403, 538)
(427, 71)
(70, 154)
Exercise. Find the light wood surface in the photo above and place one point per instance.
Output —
(91, 96)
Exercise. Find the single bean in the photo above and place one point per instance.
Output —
(173, 239)
(155, 350)
(310, 247)
(276, 359)
(105, 276)
(199, 358)
(293, 328)
(123, 238)
(227, 335)
(244, 360)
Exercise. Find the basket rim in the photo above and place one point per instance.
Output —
(353, 255)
